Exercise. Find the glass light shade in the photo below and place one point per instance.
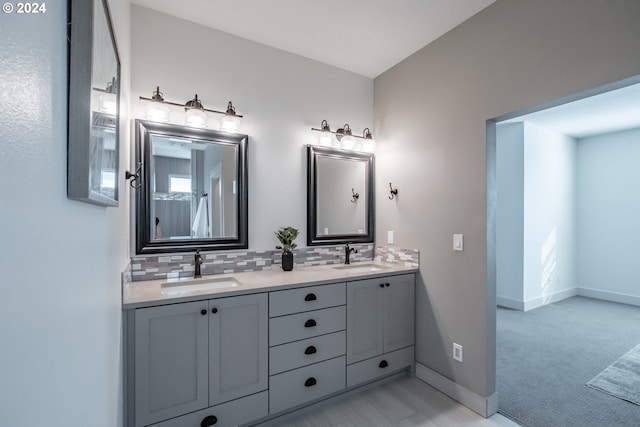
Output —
(369, 145)
(196, 118)
(157, 112)
(326, 139)
(107, 103)
(230, 123)
(348, 142)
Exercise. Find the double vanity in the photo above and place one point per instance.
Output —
(228, 350)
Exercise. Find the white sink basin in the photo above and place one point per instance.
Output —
(184, 286)
(360, 268)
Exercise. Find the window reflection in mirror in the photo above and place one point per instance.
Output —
(340, 204)
(194, 193)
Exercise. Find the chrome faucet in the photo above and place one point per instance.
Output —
(197, 262)
(347, 253)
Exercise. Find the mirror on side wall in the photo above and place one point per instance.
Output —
(193, 193)
(340, 203)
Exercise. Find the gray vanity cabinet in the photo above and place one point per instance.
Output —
(380, 321)
(196, 356)
(171, 361)
(238, 347)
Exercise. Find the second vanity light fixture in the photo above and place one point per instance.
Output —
(195, 114)
(345, 139)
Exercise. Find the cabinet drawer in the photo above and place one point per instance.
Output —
(304, 299)
(306, 384)
(294, 355)
(306, 325)
(228, 414)
(375, 367)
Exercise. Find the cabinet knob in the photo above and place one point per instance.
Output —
(310, 297)
(382, 285)
(203, 312)
(310, 382)
(214, 310)
(310, 350)
(209, 421)
(310, 323)
(386, 284)
(383, 364)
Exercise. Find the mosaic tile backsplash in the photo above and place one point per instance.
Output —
(150, 267)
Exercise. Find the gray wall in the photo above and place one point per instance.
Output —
(60, 315)
(430, 114)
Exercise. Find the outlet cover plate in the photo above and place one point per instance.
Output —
(457, 352)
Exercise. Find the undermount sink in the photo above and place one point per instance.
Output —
(361, 268)
(186, 285)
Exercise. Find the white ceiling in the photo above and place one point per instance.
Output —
(607, 112)
(363, 36)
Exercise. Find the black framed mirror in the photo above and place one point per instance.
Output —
(340, 196)
(193, 191)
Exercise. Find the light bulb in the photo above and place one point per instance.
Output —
(108, 103)
(230, 123)
(348, 142)
(196, 118)
(369, 145)
(325, 139)
(157, 112)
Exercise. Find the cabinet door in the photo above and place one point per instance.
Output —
(364, 319)
(238, 346)
(399, 307)
(171, 361)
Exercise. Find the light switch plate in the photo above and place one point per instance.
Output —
(390, 237)
(458, 242)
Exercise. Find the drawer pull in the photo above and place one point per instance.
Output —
(310, 323)
(386, 284)
(310, 382)
(214, 310)
(382, 285)
(310, 350)
(310, 297)
(209, 421)
(203, 312)
(383, 364)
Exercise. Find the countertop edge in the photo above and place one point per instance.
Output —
(147, 293)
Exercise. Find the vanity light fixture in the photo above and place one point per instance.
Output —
(231, 121)
(369, 144)
(326, 136)
(107, 102)
(195, 113)
(344, 135)
(157, 110)
(345, 138)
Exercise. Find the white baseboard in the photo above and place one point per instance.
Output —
(564, 294)
(485, 406)
(550, 298)
(609, 296)
(511, 303)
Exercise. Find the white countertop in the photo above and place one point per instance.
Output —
(149, 292)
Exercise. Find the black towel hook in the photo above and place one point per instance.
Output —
(134, 176)
(354, 196)
(393, 191)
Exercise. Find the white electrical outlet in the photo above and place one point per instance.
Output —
(457, 352)
(390, 237)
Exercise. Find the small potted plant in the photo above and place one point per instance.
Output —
(286, 236)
